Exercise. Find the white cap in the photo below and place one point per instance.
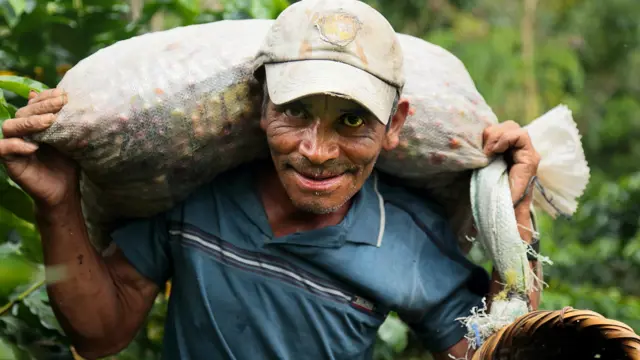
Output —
(337, 47)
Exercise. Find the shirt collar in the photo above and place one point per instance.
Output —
(365, 220)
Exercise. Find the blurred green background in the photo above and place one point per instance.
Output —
(526, 56)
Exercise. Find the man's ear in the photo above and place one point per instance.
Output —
(263, 122)
(392, 136)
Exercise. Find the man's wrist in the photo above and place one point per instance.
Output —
(50, 214)
(525, 223)
(523, 208)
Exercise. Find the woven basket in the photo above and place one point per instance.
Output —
(565, 334)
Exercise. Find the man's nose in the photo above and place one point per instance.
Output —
(319, 145)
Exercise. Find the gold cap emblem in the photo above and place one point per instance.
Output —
(338, 28)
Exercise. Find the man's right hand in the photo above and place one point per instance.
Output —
(45, 174)
(103, 300)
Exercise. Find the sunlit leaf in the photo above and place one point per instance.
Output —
(277, 6)
(18, 6)
(394, 333)
(193, 6)
(9, 14)
(24, 234)
(14, 199)
(4, 115)
(6, 351)
(14, 271)
(21, 85)
(260, 9)
(12, 110)
(5, 110)
(9, 248)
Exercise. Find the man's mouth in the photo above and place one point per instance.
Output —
(318, 177)
(318, 182)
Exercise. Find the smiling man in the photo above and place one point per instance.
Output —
(298, 257)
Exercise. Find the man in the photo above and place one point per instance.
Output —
(300, 257)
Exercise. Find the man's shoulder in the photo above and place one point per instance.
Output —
(216, 194)
(232, 181)
(418, 204)
(415, 219)
(418, 231)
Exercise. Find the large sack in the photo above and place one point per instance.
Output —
(151, 118)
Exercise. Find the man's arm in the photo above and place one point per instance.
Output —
(102, 302)
(461, 349)
(514, 142)
(498, 139)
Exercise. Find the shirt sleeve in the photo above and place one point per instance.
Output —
(448, 287)
(145, 243)
(440, 328)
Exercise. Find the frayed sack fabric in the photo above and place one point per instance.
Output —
(151, 118)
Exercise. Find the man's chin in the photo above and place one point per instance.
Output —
(316, 207)
(317, 200)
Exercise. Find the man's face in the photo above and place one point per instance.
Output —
(324, 148)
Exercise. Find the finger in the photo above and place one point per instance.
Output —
(49, 105)
(514, 140)
(491, 134)
(26, 126)
(46, 94)
(15, 147)
(32, 95)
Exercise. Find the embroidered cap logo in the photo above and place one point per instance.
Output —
(338, 28)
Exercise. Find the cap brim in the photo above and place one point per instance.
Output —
(293, 80)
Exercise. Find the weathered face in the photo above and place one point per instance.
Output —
(324, 148)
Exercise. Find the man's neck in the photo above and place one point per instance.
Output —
(284, 218)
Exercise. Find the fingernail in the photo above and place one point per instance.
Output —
(31, 146)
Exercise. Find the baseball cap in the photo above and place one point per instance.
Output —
(343, 48)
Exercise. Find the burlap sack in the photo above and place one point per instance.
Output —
(151, 118)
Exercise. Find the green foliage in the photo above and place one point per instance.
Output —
(21, 86)
(394, 336)
(587, 55)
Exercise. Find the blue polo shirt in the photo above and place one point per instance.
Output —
(239, 292)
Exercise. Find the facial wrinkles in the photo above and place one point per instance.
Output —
(320, 154)
(322, 150)
(320, 142)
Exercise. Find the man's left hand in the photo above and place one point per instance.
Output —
(513, 141)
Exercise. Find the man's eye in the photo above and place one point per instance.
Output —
(352, 120)
(294, 112)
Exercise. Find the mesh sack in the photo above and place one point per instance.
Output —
(151, 118)
(565, 334)
(441, 141)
